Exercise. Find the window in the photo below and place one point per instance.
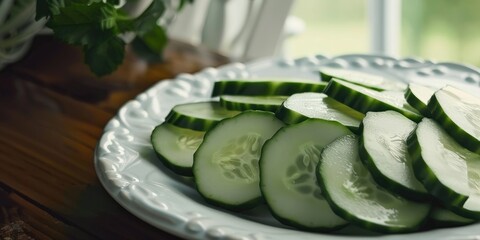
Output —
(441, 30)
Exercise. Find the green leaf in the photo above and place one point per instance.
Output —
(148, 19)
(105, 57)
(42, 9)
(156, 39)
(114, 2)
(84, 24)
(182, 4)
(151, 44)
(47, 8)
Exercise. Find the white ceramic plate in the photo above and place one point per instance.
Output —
(129, 170)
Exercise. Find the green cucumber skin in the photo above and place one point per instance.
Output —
(264, 88)
(247, 106)
(294, 224)
(463, 138)
(288, 221)
(234, 208)
(436, 223)
(183, 171)
(426, 176)
(361, 102)
(239, 207)
(416, 103)
(448, 224)
(183, 121)
(352, 219)
(291, 117)
(385, 182)
(324, 77)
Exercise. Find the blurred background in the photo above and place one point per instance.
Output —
(441, 30)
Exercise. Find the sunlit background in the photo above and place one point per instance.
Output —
(441, 30)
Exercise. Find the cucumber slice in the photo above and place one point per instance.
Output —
(225, 165)
(242, 103)
(368, 80)
(365, 100)
(302, 106)
(287, 174)
(353, 194)
(446, 169)
(418, 96)
(175, 147)
(199, 116)
(459, 114)
(383, 150)
(441, 217)
(265, 88)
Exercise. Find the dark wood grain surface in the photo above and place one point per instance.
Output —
(52, 112)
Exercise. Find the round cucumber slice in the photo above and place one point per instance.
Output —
(368, 80)
(354, 195)
(199, 116)
(302, 106)
(225, 167)
(446, 169)
(418, 96)
(265, 88)
(383, 149)
(287, 174)
(175, 147)
(365, 100)
(242, 103)
(459, 114)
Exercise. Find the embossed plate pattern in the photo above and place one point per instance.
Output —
(129, 170)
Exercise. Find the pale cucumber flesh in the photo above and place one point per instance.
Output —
(449, 172)
(354, 195)
(198, 116)
(287, 171)
(225, 165)
(459, 113)
(372, 81)
(318, 105)
(384, 150)
(175, 146)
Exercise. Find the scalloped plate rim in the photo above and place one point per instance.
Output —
(139, 211)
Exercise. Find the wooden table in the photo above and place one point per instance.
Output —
(52, 112)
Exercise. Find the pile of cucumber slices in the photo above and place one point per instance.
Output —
(350, 149)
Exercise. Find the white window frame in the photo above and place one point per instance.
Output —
(385, 26)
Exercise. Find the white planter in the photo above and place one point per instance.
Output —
(17, 29)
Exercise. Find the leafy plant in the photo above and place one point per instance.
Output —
(96, 26)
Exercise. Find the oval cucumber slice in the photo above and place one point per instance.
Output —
(459, 114)
(242, 103)
(175, 147)
(418, 96)
(383, 150)
(225, 165)
(199, 116)
(446, 169)
(287, 174)
(365, 100)
(302, 106)
(368, 80)
(265, 88)
(354, 195)
(441, 217)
